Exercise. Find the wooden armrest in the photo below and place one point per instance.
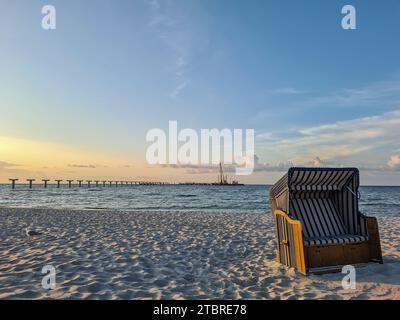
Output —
(286, 217)
(373, 237)
(290, 241)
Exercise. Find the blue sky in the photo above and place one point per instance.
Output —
(112, 70)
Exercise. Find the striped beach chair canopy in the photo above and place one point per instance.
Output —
(324, 200)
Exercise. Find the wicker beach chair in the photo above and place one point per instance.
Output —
(318, 225)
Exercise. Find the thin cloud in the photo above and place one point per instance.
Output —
(7, 169)
(231, 168)
(266, 136)
(88, 166)
(180, 66)
(197, 169)
(287, 91)
(4, 164)
(381, 93)
(178, 89)
(183, 38)
(127, 166)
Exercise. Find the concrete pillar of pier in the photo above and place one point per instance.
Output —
(58, 183)
(80, 183)
(88, 183)
(70, 183)
(13, 183)
(104, 183)
(97, 183)
(45, 182)
(30, 182)
(110, 182)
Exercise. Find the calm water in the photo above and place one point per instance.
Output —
(374, 200)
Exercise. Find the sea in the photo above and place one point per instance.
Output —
(235, 199)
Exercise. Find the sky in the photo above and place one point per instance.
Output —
(78, 101)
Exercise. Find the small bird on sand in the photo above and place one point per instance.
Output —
(31, 233)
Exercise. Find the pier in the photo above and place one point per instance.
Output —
(222, 181)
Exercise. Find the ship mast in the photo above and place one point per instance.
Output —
(224, 179)
(221, 173)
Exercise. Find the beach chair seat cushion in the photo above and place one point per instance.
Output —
(346, 238)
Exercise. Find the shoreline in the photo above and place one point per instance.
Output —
(195, 211)
(139, 254)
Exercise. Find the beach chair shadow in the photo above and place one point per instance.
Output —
(318, 225)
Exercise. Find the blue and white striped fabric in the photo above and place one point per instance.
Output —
(321, 223)
(325, 201)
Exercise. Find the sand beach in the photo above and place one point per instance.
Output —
(106, 254)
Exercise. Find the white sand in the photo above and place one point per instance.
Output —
(170, 255)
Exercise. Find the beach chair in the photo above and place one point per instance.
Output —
(318, 225)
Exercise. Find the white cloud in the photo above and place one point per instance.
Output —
(317, 162)
(342, 139)
(394, 161)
